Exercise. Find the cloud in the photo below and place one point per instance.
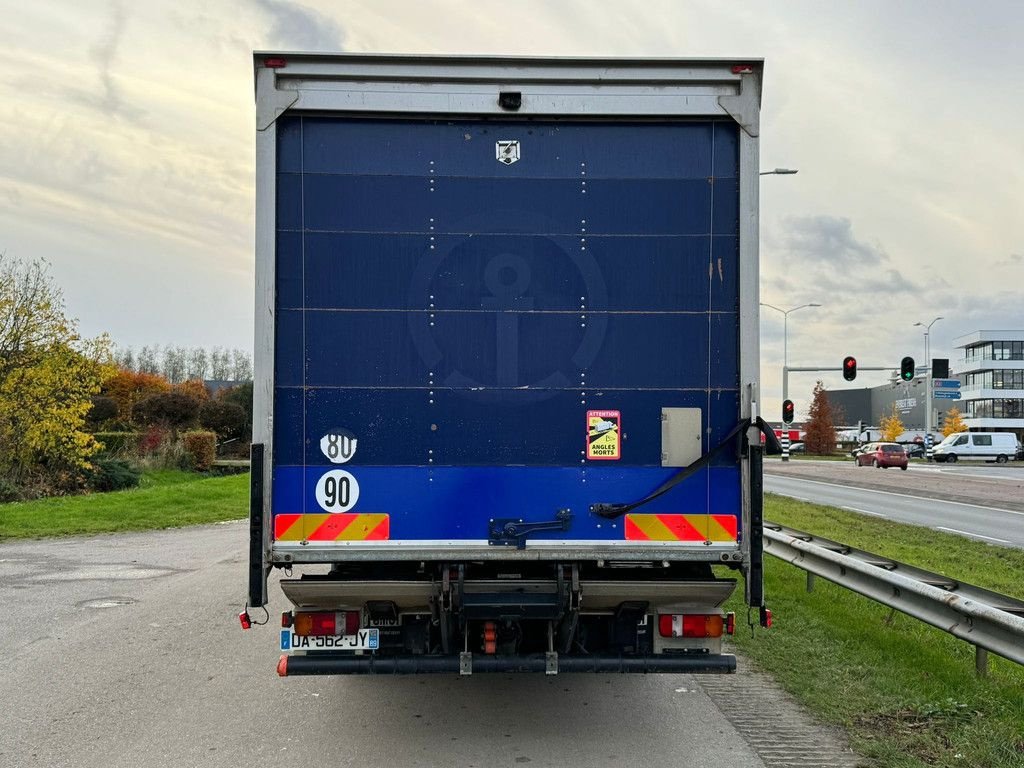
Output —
(830, 238)
(296, 27)
(105, 50)
(821, 256)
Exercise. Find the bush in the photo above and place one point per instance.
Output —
(112, 475)
(103, 410)
(173, 410)
(8, 491)
(152, 440)
(200, 449)
(228, 420)
(119, 443)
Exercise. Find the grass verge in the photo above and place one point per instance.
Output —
(906, 693)
(164, 499)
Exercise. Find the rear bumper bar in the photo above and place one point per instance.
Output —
(419, 665)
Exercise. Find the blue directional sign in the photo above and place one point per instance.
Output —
(946, 384)
(947, 394)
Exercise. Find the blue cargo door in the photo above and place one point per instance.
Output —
(480, 320)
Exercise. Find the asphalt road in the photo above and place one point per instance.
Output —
(982, 522)
(125, 650)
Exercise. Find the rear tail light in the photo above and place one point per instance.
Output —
(690, 625)
(730, 623)
(286, 619)
(325, 623)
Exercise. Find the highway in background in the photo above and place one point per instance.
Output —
(983, 503)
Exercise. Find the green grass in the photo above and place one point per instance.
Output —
(906, 692)
(164, 499)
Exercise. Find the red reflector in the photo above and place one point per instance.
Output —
(274, 63)
(693, 626)
(742, 69)
(324, 624)
(351, 622)
(730, 623)
(286, 619)
(766, 618)
(244, 620)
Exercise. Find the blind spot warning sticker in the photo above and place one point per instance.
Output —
(604, 435)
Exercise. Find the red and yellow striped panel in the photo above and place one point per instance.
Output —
(362, 526)
(717, 528)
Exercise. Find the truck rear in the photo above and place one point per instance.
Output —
(506, 365)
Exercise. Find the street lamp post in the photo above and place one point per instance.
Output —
(785, 341)
(928, 386)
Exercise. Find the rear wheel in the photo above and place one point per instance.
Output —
(904, 467)
(1000, 459)
(875, 464)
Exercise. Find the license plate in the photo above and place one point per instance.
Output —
(363, 640)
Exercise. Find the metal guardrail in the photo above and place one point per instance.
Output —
(988, 620)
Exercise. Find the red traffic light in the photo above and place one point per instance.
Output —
(849, 368)
(787, 411)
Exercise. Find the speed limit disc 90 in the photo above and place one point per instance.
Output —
(337, 491)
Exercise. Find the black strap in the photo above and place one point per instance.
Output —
(772, 446)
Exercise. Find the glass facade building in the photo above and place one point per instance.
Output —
(992, 372)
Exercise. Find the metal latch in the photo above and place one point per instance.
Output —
(507, 532)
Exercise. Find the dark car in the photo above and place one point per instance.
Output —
(882, 456)
(914, 450)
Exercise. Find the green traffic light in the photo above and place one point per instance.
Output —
(907, 369)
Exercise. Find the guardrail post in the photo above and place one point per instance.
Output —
(810, 581)
(980, 661)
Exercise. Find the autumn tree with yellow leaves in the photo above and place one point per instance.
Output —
(891, 426)
(48, 375)
(954, 423)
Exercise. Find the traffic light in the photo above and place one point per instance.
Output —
(849, 368)
(787, 411)
(907, 369)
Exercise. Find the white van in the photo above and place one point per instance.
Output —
(988, 446)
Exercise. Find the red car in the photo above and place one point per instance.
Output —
(882, 456)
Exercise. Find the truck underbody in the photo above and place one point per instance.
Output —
(551, 617)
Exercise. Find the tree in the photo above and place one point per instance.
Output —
(197, 363)
(175, 363)
(220, 364)
(820, 430)
(127, 388)
(193, 388)
(954, 423)
(892, 426)
(48, 375)
(241, 365)
(146, 361)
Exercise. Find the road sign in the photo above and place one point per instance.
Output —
(947, 394)
(946, 383)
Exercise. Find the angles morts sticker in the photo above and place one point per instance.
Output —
(604, 437)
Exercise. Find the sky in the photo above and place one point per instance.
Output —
(126, 153)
